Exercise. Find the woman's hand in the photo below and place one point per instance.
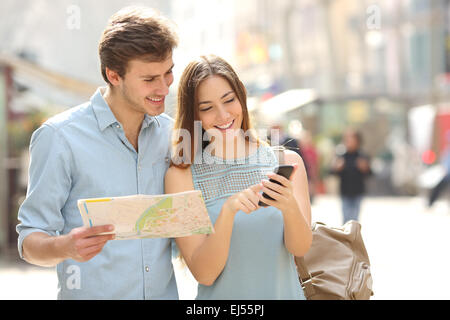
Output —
(246, 200)
(283, 194)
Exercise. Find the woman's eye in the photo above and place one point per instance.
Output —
(231, 100)
(205, 109)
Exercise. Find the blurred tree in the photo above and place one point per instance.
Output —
(20, 131)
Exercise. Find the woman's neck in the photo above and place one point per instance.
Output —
(239, 147)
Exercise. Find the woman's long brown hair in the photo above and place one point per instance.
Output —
(187, 104)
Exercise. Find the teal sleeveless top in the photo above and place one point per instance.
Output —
(259, 266)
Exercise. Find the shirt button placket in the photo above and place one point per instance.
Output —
(147, 278)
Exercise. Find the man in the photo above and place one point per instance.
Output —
(116, 144)
(352, 167)
(445, 180)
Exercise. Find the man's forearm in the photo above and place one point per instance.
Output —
(43, 250)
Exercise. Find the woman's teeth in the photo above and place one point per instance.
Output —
(226, 126)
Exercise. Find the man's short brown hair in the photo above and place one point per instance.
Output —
(135, 33)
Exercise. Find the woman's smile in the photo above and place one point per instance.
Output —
(225, 126)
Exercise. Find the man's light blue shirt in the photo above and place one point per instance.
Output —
(83, 153)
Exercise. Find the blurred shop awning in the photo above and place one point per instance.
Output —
(31, 73)
(288, 101)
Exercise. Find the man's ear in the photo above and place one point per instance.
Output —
(112, 76)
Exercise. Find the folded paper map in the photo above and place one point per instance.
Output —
(149, 216)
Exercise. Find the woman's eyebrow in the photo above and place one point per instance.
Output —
(205, 102)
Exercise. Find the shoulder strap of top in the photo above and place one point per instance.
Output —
(279, 152)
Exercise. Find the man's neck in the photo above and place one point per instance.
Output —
(130, 119)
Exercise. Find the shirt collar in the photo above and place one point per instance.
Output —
(105, 117)
(148, 121)
(103, 113)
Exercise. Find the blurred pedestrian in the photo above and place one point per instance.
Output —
(352, 168)
(279, 137)
(311, 160)
(445, 181)
(251, 254)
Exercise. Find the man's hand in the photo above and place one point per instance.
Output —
(339, 164)
(82, 244)
(363, 165)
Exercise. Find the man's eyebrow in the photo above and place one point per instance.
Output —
(156, 75)
(206, 102)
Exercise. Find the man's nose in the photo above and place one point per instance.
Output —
(163, 88)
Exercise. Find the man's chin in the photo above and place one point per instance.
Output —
(155, 111)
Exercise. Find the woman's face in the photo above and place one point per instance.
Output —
(219, 107)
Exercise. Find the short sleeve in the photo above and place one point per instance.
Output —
(49, 184)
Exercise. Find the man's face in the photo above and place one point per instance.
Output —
(146, 85)
(351, 141)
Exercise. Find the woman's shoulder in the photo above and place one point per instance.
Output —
(292, 157)
(178, 180)
(285, 156)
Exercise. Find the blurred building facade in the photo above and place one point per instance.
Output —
(368, 62)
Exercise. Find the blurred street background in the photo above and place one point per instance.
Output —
(406, 242)
(312, 68)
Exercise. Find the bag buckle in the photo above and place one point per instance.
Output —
(306, 281)
(308, 288)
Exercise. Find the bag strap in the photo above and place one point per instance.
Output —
(305, 277)
(302, 270)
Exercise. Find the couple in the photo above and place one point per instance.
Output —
(119, 144)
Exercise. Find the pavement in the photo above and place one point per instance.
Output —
(407, 245)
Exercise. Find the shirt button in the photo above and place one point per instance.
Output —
(147, 269)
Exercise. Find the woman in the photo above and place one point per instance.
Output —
(250, 255)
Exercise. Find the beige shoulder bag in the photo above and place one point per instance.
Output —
(337, 265)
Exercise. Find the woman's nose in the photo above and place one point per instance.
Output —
(223, 115)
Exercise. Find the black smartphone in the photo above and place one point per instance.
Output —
(285, 171)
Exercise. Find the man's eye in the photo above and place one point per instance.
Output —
(149, 80)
